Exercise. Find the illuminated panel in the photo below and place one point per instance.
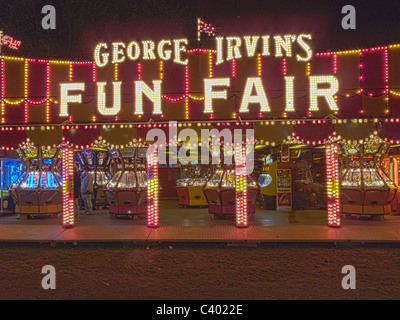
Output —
(154, 95)
(161, 68)
(233, 45)
(37, 102)
(259, 98)
(305, 47)
(65, 98)
(265, 47)
(285, 44)
(48, 92)
(251, 44)
(233, 68)
(209, 94)
(139, 71)
(289, 93)
(94, 76)
(101, 98)
(129, 50)
(116, 73)
(219, 45)
(210, 61)
(332, 184)
(328, 93)
(2, 75)
(284, 67)
(26, 91)
(118, 52)
(162, 53)
(68, 186)
(186, 92)
(241, 185)
(395, 172)
(5, 101)
(152, 188)
(175, 90)
(148, 50)
(386, 70)
(178, 49)
(334, 63)
(101, 59)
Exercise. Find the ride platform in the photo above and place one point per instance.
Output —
(196, 225)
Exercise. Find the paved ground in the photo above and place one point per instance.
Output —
(197, 225)
(171, 214)
(181, 271)
(201, 272)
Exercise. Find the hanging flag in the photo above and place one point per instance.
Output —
(203, 27)
(10, 42)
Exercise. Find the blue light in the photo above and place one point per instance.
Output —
(30, 182)
(12, 169)
(48, 181)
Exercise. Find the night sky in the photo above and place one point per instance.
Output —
(81, 24)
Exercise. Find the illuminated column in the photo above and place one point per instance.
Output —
(68, 205)
(2, 91)
(241, 185)
(395, 171)
(152, 188)
(26, 90)
(332, 184)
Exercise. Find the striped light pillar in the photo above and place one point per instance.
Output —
(152, 187)
(332, 184)
(241, 185)
(68, 203)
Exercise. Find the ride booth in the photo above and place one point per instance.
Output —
(230, 183)
(366, 190)
(98, 160)
(190, 186)
(267, 181)
(126, 192)
(10, 168)
(390, 166)
(308, 167)
(293, 177)
(38, 190)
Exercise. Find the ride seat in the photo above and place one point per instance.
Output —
(228, 197)
(110, 197)
(212, 197)
(252, 196)
(351, 197)
(48, 197)
(28, 197)
(142, 198)
(376, 197)
(126, 198)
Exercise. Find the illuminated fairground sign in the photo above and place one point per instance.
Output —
(131, 91)
(234, 46)
(241, 77)
(214, 88)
